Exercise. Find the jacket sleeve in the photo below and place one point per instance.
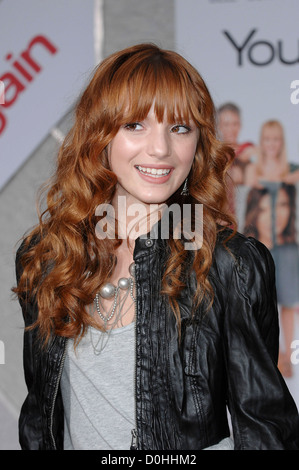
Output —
(263, 413)
(30, 429)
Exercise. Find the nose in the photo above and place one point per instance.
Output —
(159, 144)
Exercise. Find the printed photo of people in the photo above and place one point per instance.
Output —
(264, 196)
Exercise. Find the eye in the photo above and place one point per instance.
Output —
(133, 126)
(181, 129)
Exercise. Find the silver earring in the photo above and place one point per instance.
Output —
(185, 190)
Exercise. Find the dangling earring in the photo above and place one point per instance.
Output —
(185, 190)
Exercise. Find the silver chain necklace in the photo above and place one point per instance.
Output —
(110, 291)
(124, 286)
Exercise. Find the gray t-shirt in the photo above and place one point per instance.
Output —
(98, 390)
(97, 386)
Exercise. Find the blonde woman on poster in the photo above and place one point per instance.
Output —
(271, 163)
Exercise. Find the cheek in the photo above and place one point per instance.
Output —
(282, 216)
(187, 152)
(264, 221)
(279, 146)
(117, 154)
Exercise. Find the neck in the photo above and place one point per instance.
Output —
(134, 217)
(271, 158)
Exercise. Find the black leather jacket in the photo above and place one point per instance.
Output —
(226, 357)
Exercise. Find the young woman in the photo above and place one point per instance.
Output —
(137, 337)
(271, 164)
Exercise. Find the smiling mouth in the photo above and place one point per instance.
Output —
(154, 172)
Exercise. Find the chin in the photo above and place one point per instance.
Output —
(152, 201)
(152, 198)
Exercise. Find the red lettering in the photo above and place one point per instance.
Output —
(2, 123)
(10, 81)
(19, 67)
(13, 86)
(37, 40)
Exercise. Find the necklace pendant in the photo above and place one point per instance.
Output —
(107, 291)
(124, 283)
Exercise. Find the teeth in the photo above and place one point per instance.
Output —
(153, 171)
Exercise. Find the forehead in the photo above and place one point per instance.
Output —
(265, 202)
(159, 112)
(273, 131)
(165, 91)
(282, 196)
(229, 117)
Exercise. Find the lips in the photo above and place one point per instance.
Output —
(153, 171)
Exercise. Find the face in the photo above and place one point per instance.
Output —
(283, 212)
(152, 160)
(282, 215)
(264, 220)
(271, 142)
(229, 126)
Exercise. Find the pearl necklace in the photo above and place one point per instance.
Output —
(110, 291)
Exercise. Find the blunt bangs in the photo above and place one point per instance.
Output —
(141, 81)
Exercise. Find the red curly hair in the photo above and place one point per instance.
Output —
(63, 249)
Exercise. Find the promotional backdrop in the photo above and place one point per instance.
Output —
(248, 53)
(44, 64)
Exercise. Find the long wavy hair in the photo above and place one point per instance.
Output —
(253, 210)
(63, 262)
